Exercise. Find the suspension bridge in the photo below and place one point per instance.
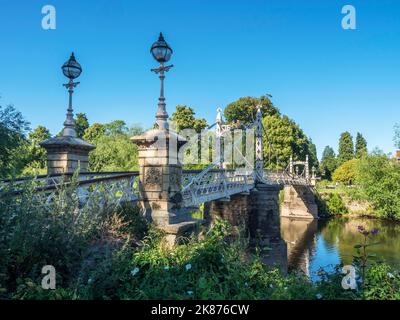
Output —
(166, 193)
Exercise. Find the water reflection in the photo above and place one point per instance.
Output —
(300, 239)
(315, 244)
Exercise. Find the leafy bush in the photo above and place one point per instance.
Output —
(382, 283)
(34, 233)
(379, 178)
(347, 172)
(335, 204)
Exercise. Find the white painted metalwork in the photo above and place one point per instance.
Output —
(216, 184)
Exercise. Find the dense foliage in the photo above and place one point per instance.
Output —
(328, 163)
(286, 139)
(108, 254)
(361, 146)
(114, 149)
(347, 172)
(184, 118)
(346, 148)
(13, 128)
(244, 110)
(379, 179)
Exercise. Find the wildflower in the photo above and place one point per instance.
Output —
(166, 268)
(374, 231)
(188, 267)
(190, 293)
(271, 286)
(285, 288)
(134, 271)
(318, 296)
(361, 228)
(246, 284)
(390, 275)
(90, 280)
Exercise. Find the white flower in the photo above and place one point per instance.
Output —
(90, 280)
(166, 268)
(285, 288)
(135, 271)
(390, 275)
(190, 293)
(246, 284)
(319, 296)
(188, 267)
(271, 286)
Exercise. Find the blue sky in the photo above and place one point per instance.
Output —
(327, 79)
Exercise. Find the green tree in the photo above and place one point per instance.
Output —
(328, 162)
(116, 127)
(347, 172)
(284, 138)
(184, 118)
(346, 148)
(114, 149)
(36, 155)
(313, 154)
(94, 132)
(12, 139)
(379, 178)
(244, 110)
(361, 146)
(81, 124)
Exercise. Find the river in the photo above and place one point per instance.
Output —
(325, 243)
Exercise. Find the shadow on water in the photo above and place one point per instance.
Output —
(315, 244)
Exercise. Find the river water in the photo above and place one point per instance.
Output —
(322, 244)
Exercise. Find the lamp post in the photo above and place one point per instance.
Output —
(161, 52)
(72, 70)
(67, 153)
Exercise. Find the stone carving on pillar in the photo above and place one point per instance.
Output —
(160, 175)
(67, 152)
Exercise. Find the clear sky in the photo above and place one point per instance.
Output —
(324, 77)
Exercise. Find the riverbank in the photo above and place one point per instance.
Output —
(344, 200)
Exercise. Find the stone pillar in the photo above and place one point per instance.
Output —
(299, 202)
(264, 225)
(264, 217)
(235, 210)
(160, 174)
(65, 154)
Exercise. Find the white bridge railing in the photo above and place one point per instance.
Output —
(214, 184)
(104, 189)
(113, 188)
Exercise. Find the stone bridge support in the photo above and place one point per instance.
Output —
(258, 214)
(299, 202)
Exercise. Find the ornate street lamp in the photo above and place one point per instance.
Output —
(72, 70)
(161, 52)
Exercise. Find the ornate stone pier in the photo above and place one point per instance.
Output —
(299, 203)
